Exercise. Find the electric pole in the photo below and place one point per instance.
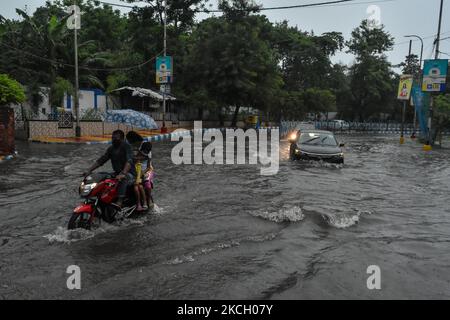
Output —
(164, 129)
(76, 97)
(438, 39)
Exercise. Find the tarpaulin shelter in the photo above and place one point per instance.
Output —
(132, 118)
(142, 99)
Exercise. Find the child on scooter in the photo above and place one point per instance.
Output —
(138, 187)
(149, 173)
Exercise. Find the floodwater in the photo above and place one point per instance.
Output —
(226, 232)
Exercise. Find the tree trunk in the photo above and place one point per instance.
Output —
(221, 121)
(200, 113)
(235, 116)
(7, 137)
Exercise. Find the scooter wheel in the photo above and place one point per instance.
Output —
(110, 214)
(77, 222)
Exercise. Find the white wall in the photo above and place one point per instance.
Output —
(87, 101)
(44, 105)
(101, 103)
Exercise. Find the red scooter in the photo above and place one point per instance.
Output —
(100, 192)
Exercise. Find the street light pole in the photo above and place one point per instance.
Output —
(420, 77)
(421, 48)
(76, 98)
(402, 137)
(164, 129)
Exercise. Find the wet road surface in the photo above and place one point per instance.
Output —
(226, 232)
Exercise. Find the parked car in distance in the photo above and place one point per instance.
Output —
(340, 124)
(316, 145)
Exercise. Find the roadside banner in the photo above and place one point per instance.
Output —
(164, 67)
(405, 86)
(435, 75)
(421, 103)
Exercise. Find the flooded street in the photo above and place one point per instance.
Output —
(226, 232)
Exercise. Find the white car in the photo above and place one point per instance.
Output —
(340, 124)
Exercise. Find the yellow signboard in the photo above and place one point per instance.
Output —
(405, 87)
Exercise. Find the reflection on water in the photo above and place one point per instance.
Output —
(310, 231)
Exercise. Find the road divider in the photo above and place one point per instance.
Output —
(147, 137)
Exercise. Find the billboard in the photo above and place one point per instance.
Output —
(164, 67)
(435, 75)
(405, 86)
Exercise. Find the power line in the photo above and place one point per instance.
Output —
(428, 37)
(300, 6)
(81, 67)
(119, 5)
(287, 7)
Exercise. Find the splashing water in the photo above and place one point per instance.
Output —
(290, 214)
(221, 246)
(342, 220)
(323, 164)
(62, 235)
(180, 260)
(157, 210)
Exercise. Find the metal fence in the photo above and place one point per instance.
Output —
(159, 116)
(287, 127)
(366, 127)
(386, 127)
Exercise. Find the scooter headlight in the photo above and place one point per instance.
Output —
(85, 189)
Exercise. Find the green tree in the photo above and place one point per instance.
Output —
(411, 65)
(41, 48)
(305, 58)
(319, 100)
(340, 86)
(231, 59)
(59, 88)
(369, 42)
(441, 115)
(180, 13)
(371, 86)
(10, 91)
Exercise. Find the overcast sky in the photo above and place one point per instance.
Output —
(400, 17)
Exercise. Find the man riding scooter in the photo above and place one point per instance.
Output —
(121, 156)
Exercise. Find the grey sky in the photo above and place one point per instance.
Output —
(400, 17)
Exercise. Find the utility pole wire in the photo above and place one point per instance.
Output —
(82, 67)
(310, 5)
